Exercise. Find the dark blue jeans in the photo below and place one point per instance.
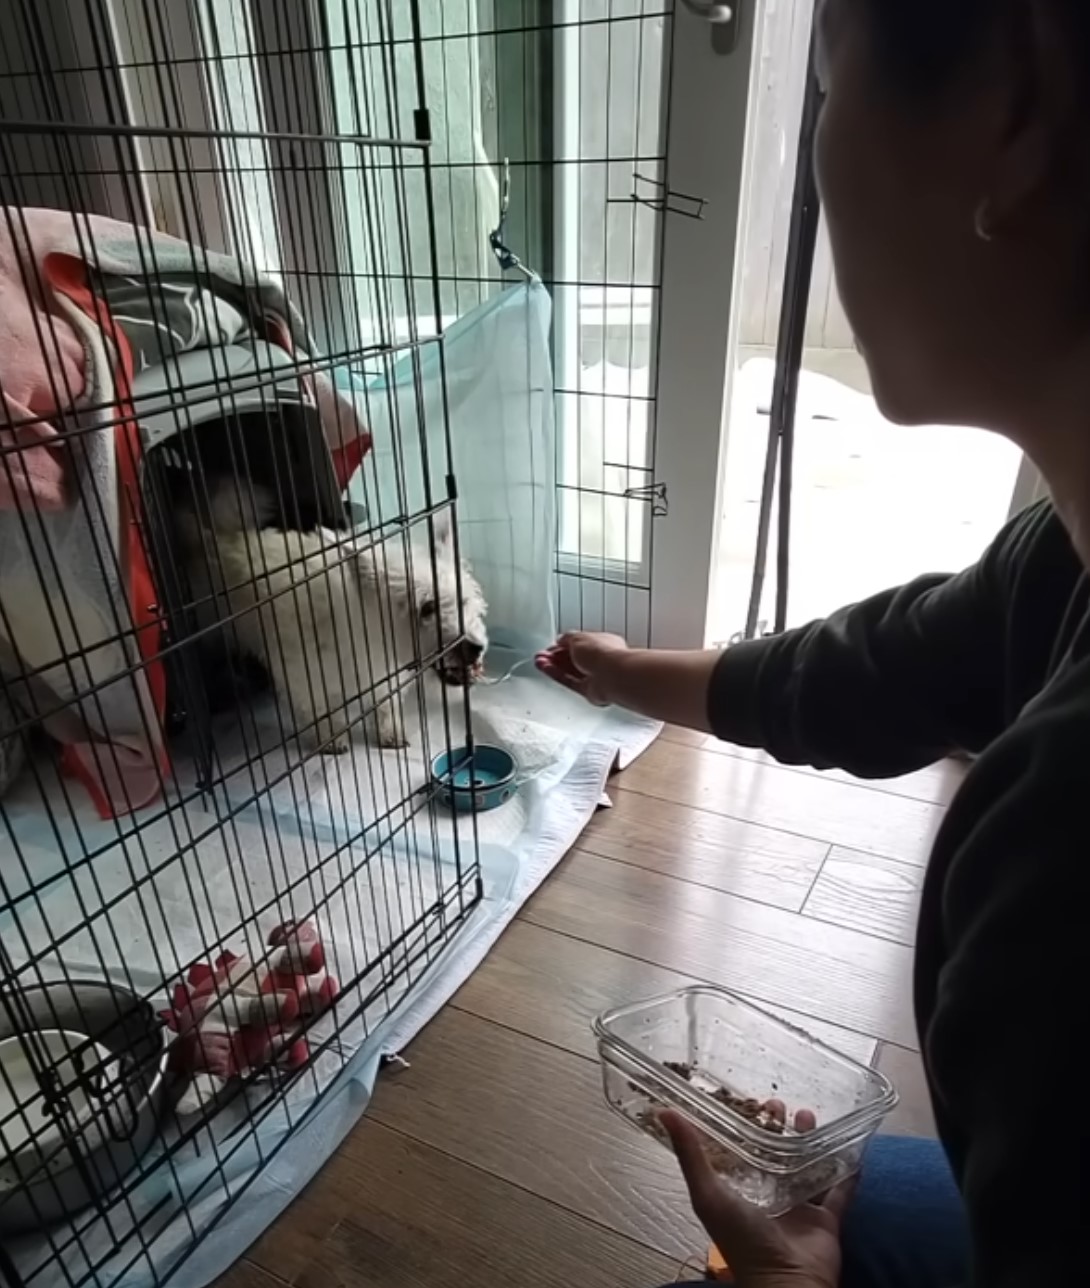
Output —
(906, 1225)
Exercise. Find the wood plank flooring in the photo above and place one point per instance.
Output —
(492, 1158)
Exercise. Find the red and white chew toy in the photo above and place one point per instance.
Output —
(230, 1017)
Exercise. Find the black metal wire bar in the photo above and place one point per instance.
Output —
(802, 241)
(161, 147)
(75, 129)
(349, 157)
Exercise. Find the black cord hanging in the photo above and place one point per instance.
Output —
(802, 243)
(497, 238)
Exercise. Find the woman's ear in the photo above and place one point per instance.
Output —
(1042, 114)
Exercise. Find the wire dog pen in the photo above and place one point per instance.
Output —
(230, 232)
(146, 892)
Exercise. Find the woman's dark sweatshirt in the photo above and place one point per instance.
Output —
(995, 660)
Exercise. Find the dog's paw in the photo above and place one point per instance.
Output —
(393, 738)
(326, 739)
(388, 731)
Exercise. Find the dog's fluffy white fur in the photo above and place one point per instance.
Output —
(335, 621)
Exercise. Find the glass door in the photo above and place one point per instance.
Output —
(823, 500)
(649, 154)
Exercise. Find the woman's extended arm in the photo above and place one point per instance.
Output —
(880, 688)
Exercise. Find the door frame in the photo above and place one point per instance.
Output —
(711, 101)
(1029, 487)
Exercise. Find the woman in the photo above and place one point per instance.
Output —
(954, 161)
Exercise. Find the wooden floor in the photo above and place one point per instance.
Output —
(493, 1159)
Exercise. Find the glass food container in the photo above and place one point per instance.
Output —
(706, 1052)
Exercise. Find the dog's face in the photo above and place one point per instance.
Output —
(447, 603)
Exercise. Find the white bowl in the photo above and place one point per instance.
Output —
(26, 1121)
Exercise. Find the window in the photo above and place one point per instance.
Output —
(571, 94)
(609, 89)
(236, 104)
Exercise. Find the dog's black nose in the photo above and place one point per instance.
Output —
(471, 651)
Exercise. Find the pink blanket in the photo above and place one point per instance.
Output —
(56, 355)
(42, 372)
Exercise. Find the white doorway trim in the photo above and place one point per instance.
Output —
(710, 105)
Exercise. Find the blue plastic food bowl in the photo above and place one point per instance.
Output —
(480, 777)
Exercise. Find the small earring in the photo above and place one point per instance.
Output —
(982, 221)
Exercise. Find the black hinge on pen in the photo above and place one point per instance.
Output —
(422, 124)
(654, 494)
(663, 199)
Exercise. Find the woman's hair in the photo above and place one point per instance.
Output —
(922, 44)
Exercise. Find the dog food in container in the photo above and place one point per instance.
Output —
(720, 1061)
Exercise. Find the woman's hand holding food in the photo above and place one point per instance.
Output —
(798, 1250)
(660, 683)
(587, 664)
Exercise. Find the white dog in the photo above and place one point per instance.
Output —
(335, 621)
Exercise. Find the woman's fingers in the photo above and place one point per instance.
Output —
(557, 666)
(838, 1198)
(704, 1187)
(722, 1215)
(757, 1247)
(805, 1120)
(742, 1234)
